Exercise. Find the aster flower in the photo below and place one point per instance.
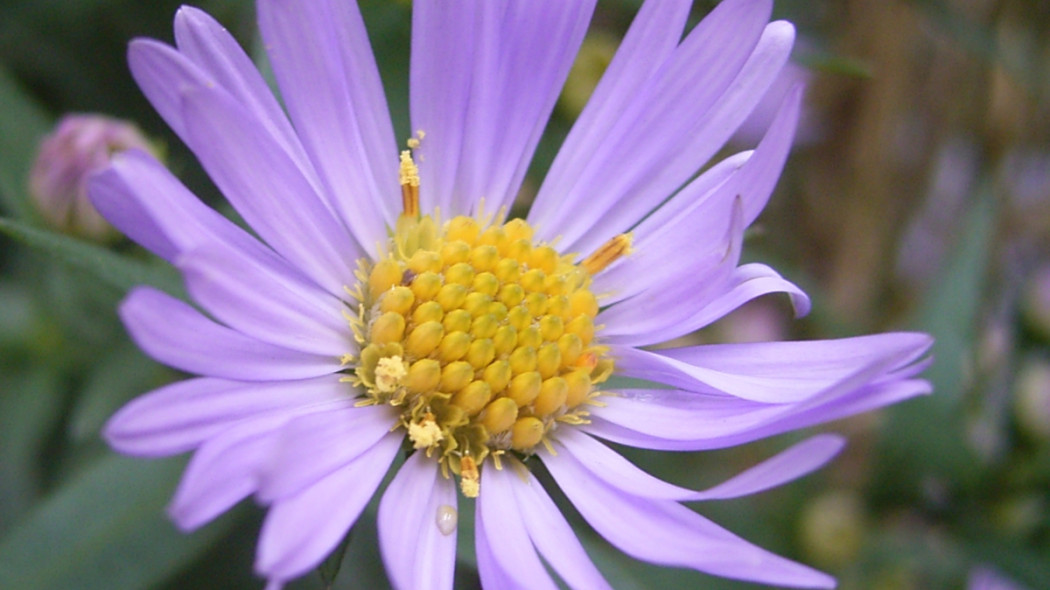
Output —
(385, 301)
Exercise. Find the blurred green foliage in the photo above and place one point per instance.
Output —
(927, 491)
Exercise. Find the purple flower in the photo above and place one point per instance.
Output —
(385, 302)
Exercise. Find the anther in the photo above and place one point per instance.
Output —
(470, 479)
(409, 176)
(609, 252)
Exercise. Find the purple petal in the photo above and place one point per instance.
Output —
(667, 533)
(749, 282)
(324, 65)
(417, 553)
(684, 420)
(300, 531)
(223, 470)
(164, 74)
(266, 186)
(177, 335)
(522, 54)
(552, 535)
(179, 417)
(262, 303)
(659, 123)
(501, 526)
(653, 36)
(443, 47)
(798, 460)
(617, 472)
(718, 124)
(212, 49)
(313, 446)
(669, 243)
(145, 201)
(658, 315)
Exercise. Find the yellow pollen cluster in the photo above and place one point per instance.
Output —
(482, 337)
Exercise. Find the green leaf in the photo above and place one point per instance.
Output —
(22, 125)
(105, 529)
(924, 441)
(118, 271)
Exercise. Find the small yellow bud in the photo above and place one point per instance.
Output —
(429, 311)
(389, 327)
(426, 285)
(526, 433)
(499, 415)
(548, 360)
(583, 302)
(484, 326)
(424, 339)
(532, 280)
(462, 228)
(551, 398)
(451, 296)
(385, 274)
(456, 376)
(487, 283)
(457, 320)
(497, 375)
(505, 340)
(460, 273)
(551, 327)
(484, 257)
(472, 398)
(481, 353)
(423, 376)
(454, 346)
(522, 360)
(524, 388)
(398, 300)
(579, 386)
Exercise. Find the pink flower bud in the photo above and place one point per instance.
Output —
(79, 146)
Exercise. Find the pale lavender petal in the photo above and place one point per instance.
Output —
(667, 533)
(163, 74)
(212, 49)
(798, 460)
(328, 77)
(749, 282)
(223, 470)
(146, 202)
(293, 315)
(634, 273)
(443, 48)
(658, 315)
(552, 536)
(177, 335)
(342, 433)
(505, 533)
(672, 241)
(717, 125)
(658, 123)
(268, 189)
(616, 471)
(179, 417)
(522, 57)
(652, 37)
(418, 555)
(300, 531)
(489, 569)
(685, 420)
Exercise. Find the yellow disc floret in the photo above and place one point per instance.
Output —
(481, 336)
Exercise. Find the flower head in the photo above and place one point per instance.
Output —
(387, 303)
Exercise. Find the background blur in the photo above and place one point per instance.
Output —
(917, 197)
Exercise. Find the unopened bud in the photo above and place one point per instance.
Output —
(79, 146)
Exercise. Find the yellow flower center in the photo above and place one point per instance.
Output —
(482, 336)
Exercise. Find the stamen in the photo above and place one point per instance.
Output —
(609, 252)
(409, 175)
(470, 479)
(425, 433)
